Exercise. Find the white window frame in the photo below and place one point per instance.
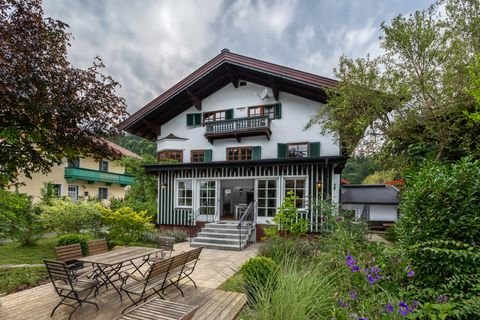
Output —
(77, 191)
(277, 189)
(306, 188)
(108, 193)
(176, 194)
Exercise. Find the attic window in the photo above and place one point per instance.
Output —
(242, 83)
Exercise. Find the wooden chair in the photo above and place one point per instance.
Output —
(97, 246)
(69, 255)
(160, 309)
(155, 280)
(166, 244)
(69, 288)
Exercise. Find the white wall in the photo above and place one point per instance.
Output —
(377, 212)
(296, 112)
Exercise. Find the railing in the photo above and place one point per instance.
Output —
(72, 174)
(237, 125)
(247, 216)
(193, 220)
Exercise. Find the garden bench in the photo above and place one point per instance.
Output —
(160, 309)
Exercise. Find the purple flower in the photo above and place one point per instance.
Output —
(443, 298)
(370, 279)
(341, 303)
(353, 295)
(373, 274)
(352, 263)
(389, 308)
(404, 309)
(409, 271)
(362, 318)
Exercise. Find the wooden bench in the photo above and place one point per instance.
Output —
(160, 309)
(161, 275)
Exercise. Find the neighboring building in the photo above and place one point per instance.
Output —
(376, 203)
(83, 178)
(236, 127)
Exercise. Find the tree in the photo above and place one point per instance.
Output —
(136, 144)
(357, 168)
(413, 101)
(49, 109)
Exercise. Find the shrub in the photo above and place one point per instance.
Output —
(125, 225)
(257, 273)
(72, 238)
(287, 218)
(65, 216)
(178, 234)
(19, 219)
(391, 234)
(439, 225)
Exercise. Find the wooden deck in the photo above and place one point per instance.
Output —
(37, 303)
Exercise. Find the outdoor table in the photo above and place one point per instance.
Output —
(110, 263)
(160, 309)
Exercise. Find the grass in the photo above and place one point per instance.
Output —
(14, 253)
(14, 279)
(235, 283)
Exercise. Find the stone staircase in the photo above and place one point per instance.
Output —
(223, 235)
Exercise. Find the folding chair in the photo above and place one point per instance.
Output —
(68, 287)
(97, 247)
(69, 254)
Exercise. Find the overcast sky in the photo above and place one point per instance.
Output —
(149, 45)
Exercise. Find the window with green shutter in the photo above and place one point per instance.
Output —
(208, 155)
(314, 149)
(229, 114)
(194, 119)
(282, 150)
(278, 111)
(256, 153)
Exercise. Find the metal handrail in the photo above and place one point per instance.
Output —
(245, 215)
(193, 217)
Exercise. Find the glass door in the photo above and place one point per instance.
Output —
(208, 199)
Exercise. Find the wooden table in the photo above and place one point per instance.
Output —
(109, 264)
(160, 309)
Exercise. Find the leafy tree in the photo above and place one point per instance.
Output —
(380, 177)
(49, 110)
(359, 167)
(413, 101)
(142, 195)
(136, 144)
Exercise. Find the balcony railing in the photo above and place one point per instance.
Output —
(92, 176)
(238, 128)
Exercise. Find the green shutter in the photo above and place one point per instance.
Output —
(278, 111)
(207, 155)
(256, 153)
(194, 119)
(189, 119)
(314, 149)
(229, 114)
(281, 150)
(197, 119)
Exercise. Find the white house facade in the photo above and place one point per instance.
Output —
(235, 129)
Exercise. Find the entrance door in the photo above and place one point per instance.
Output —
(208, 200)
(236, 194)
(73, 193)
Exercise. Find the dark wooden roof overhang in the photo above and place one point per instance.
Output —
(327, 160)
(226, 68)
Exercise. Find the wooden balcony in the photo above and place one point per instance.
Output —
(92, 176)
(238, 128)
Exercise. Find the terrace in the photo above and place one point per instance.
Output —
(213, 268)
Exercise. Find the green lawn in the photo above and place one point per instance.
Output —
(13, 253)
(14, 279)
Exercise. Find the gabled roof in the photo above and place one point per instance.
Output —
(225, 68)
(369, 194)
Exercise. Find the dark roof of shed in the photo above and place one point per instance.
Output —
(369, 194)
(225, 68)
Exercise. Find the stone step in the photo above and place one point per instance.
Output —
(221, 235)
(219, 230)
(226, 225)
(216, 246)
(218, 240)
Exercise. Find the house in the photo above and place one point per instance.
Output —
(376, 203)
(83, 178)
(235, 129)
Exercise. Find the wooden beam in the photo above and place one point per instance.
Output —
(274, 86)
(195, 100)
(232, 75)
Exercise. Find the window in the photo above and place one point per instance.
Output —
(57, 190)
(171, 155)
(207, 197)
(273, 111)
(74, 163)
(201, 156)
(184, 193)
(214, 116)
(267, 198)
(243, 153)
(73, 192)
(194, 119)
(297, 186)
(102, 193)
(297, 150)
(103, 165)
